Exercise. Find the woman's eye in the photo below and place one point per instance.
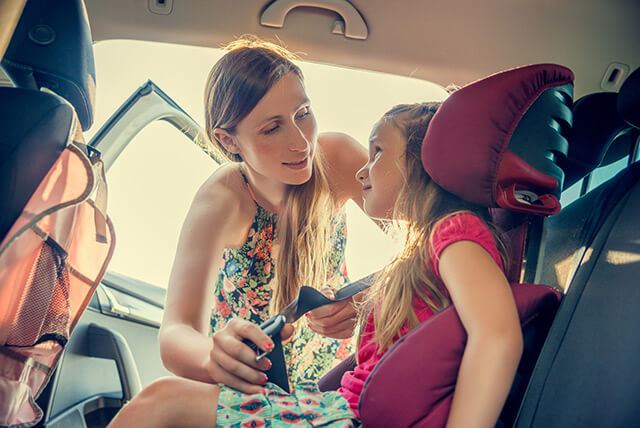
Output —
(304, 113)
(271, 130)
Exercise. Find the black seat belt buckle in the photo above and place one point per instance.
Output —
(272, 328)
(277, 374)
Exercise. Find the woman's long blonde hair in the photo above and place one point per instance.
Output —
(421, 203)
(236, 83)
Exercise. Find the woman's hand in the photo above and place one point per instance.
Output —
(233, 363)
(335, 320)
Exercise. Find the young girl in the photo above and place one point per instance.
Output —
(263, 224)
(452, 255)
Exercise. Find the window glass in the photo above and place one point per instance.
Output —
(604, 173)
(151, 184)
(571, 194)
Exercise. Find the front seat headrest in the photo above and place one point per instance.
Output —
(629, 99)
(495, 141)
(599, 136)
(52, 48)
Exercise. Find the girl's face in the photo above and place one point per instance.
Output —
(382, 176)
(277, 139)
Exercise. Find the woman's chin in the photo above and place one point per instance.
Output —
(299, 178)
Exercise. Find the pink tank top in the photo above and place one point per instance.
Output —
(460, 227)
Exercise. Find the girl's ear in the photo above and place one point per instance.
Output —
(227, 140)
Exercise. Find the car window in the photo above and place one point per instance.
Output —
(604, 173)
(593, 180)
(571, 194)
(153, 181)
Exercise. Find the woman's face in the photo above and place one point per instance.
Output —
(382, 176)
(277, 139)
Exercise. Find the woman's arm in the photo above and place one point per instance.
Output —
(213, 223)
(344, 156)
(484, 301)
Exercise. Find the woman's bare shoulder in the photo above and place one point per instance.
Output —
(222, 202)
(337, 144)
(222, 184)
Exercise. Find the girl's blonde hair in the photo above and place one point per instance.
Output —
(421, 203)
(236, 83)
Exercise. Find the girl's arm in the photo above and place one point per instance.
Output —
(186, 350)
(484, 301)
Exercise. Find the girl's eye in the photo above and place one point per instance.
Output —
(374, 153)
(271, 130)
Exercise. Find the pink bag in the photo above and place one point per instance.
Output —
(51, 261)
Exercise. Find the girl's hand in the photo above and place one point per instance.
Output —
(233, 363)
(336, 320)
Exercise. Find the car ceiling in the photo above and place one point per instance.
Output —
(441, 41)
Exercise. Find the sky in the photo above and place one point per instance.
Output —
(152, 183)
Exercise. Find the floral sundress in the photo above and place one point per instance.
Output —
(244, 286)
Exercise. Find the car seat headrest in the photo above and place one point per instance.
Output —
(35, 132)
(52, 48)
(599, 136)
(629, 99)
(495, 141)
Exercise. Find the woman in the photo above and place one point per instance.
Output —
(261, 226)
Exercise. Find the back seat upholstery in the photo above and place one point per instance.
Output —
(586, 374)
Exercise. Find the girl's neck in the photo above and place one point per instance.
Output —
(267, 192)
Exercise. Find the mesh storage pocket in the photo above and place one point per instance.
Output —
(36, 331)
(44, 306)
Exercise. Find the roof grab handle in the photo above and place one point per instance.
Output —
(354, 25)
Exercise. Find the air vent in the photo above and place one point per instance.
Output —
(614, 76)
